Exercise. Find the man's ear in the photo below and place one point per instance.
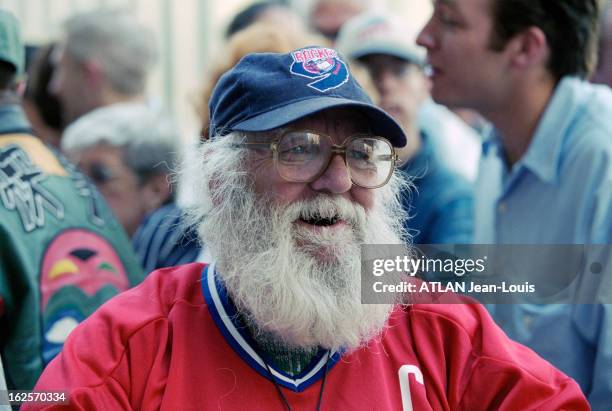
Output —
(93, 73)
(156, 191)
(529, 48)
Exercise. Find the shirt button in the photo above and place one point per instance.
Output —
(501, 207)
(528, 322)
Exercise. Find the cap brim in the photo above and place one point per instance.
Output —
(382, 123)
(389, 50)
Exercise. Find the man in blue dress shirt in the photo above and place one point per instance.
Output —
(546, 171)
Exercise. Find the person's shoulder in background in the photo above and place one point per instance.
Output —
(163, 240)
(441, 204)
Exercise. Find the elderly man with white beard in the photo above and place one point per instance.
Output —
(297, 174)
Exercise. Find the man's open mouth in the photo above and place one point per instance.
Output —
(320, 221)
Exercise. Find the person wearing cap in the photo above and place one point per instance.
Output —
(297, 174)
(545, 175)
(441, 206)
(62, 253)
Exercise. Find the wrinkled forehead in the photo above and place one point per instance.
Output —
(342, 122)
(338, 123)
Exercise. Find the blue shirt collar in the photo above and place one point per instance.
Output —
(544, 154)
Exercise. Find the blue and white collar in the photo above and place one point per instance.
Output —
(226, 318)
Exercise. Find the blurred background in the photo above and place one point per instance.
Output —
(188, 32)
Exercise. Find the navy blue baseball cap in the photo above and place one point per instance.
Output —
(265, 91)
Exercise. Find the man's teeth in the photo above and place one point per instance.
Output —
(321, 221)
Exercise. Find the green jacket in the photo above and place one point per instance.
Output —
(62, 253)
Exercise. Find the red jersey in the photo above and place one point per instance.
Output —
(172, 343)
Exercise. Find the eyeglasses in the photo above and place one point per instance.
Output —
(100, 173)
(303, 156)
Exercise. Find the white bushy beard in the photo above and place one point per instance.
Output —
(302, 287)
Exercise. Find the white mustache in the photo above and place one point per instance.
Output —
(328, 207)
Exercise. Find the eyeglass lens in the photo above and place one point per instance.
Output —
(303, 155)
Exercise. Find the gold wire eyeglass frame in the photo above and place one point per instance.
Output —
(339, 149)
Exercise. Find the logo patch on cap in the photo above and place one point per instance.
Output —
(321, 64)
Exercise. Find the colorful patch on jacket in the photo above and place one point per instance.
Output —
(321, 64)
(80, 271)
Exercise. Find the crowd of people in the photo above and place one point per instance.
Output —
(131, 278)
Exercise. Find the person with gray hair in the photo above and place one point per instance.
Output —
(296, 175)
(129, 151)
(104, 59)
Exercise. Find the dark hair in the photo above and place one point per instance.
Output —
(249, 15)
(571, 28)
(8, 75)
(40, 72)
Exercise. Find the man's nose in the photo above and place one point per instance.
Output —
(335, 179)
(426, 38)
